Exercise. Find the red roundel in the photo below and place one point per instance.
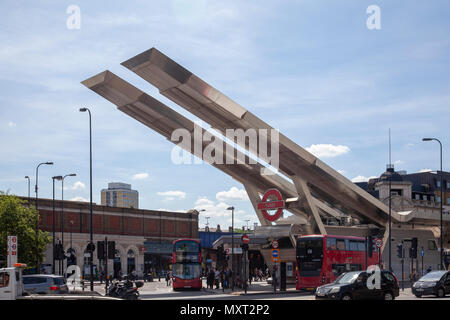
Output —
(275, 202)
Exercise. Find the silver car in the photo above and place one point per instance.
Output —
(45, 284)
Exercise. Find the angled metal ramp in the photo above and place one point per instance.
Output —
(310, 175)
(159, 117)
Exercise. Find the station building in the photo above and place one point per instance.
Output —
(143, 238)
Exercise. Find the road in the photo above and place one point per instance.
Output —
(259, 291)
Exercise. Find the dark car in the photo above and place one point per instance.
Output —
(433, 283)
(353, 286)
(45, 284)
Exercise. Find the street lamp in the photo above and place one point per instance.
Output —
(442, 199)
(27, 177)
(70, 249)
(232, 246)
(53, 222)
(247, 223)
(37, 209)
(62, 210)
(91, 267)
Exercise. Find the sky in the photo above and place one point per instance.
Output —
(312, 69)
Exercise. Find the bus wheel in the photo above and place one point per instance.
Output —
(347, 297)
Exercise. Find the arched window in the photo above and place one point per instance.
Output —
(131, 261)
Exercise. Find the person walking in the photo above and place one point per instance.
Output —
(217, 278)
(211, 276)
(222, 279)
(167, 278)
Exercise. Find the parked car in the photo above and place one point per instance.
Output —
(433, 283)
(45, 284)
(353, 286)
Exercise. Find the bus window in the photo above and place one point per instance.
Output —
(338, 269)
(355, 267)
(331, 243)
(361, 246)
(340, 244)
(353, 245)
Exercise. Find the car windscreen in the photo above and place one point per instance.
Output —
(309, 256)
(347, 278)
(433, 276)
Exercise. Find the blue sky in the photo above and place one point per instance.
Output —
(311, 69)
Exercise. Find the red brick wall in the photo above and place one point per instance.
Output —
(117, 224)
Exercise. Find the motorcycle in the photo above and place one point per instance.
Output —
(124, 290)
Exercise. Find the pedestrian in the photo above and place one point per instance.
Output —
(211, 278)
(217, 278)
(429, 269)
(222, 279)
(167, 278)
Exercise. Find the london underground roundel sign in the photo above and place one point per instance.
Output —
(271, 200)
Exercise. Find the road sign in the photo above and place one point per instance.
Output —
(245, 239)
(378, 243)
(275, 255)
(275, 244)
(12, 250)
(267, 204)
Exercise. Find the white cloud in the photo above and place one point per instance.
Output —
(234, 194)
(81, 199)
(327, 150)
(78, 186)
(140, 176)
(362, 178)
(425, 170)
(172, 195)
(12, 124)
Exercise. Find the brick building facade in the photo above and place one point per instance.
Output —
(143, 237)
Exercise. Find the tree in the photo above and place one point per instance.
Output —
(17, 218)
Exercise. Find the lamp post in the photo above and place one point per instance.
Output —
(53, 223)
(442, 200)
(91, 267)
(62, 209)
(232, 246)
(37, 209)
(27, 177)
(247, 223)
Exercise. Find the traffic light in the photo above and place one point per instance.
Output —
(59, 252)
(414, 248)
(369, 246)
(101, 250)
(111, 249)
(400, 250)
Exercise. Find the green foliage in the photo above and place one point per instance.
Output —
(17, 218)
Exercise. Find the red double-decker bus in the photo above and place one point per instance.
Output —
(186, 264)
(322, 258)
